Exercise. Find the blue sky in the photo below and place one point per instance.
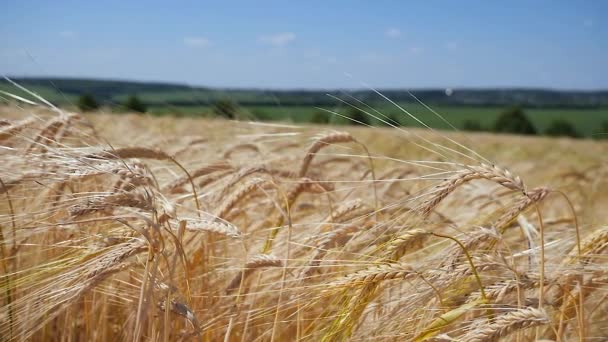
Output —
(312, 44)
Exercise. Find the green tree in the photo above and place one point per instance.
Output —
(472, 125)
(357, 117)
(515, 121)
(562, 128)
(87, 102)
(225, 108)
(133, 103)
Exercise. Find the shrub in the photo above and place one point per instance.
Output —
(258, 114)
(87, 102)
(320, 117)
(602, 132)
(562, 128)
(472, 126)
(357, 117)
(225, 108)
(134, 103)
(390, 120)
(515, 121)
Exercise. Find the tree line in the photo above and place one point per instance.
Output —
(511, 121)
(109, 90)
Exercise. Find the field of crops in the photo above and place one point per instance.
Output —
(585, 121)
(588, 114)
(132, 227)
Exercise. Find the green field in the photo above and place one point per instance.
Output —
(586, 121)
(543, 107)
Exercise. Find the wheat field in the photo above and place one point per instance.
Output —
(127, 227)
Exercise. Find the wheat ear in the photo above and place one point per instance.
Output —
(484, 237)
(496, 293)
(243, 146)
(49, 133)
(375, 274)
(10, 130)
(533, 196)
(256, 262)
(216, 226)
(328, 241)
(205, 170)
(483, 171)
(250, 171)
(506, 324)
(131, 152)
(304, 185)
(342, 211)
(248, 187)
(591, 247)
(404, 243)
(102, 203)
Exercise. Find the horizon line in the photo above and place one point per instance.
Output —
(319, 89)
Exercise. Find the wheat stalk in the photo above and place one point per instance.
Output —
(318, 144)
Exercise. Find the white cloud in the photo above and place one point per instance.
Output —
(588, 23)
(393, 33)
(278, 39)
(196, 42)
(67, 34)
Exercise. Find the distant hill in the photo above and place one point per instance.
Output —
(65, 90)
